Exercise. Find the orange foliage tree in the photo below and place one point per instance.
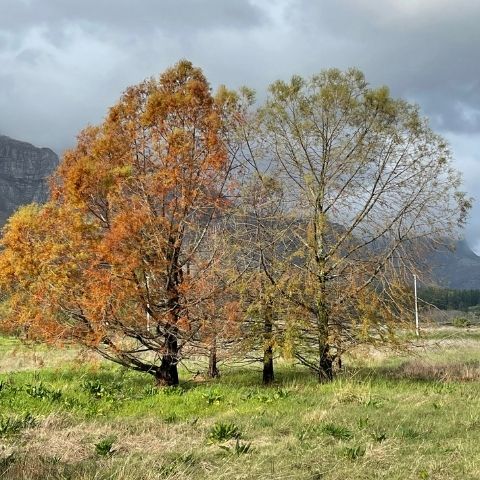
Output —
(116, 260)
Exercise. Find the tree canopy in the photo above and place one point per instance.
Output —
(115, 259)
(370, 187)
(187, 219)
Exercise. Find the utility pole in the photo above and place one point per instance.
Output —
(417, 329)
(147, 278)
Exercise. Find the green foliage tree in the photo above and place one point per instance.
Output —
(371, 186)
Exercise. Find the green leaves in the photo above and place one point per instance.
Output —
(10, 425)
(222, 432)
(105, 446)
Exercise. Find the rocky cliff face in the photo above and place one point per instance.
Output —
(23, 173)
(458, 269)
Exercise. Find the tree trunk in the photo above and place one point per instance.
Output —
(325, 360)
(212, 360)
(268, 374)
(167, 373)
(325, 366)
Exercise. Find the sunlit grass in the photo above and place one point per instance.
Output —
(377, 420)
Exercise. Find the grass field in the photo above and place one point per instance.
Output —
(68, 417)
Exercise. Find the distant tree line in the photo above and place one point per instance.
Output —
(450, 299)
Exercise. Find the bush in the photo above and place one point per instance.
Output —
(461, 322)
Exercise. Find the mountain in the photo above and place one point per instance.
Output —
(24, 169)
(458, 269)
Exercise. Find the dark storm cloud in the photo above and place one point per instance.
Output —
(424, 49)
(63, 62)
(139, 16)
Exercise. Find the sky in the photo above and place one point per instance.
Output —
(64, 62)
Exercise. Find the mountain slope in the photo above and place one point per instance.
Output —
(458, 269)
(24, 169)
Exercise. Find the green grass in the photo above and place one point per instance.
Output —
(391, 418)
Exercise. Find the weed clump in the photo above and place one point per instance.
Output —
(336, 431)
(14, 424)
(42, 392)
(222, 432)
(105, 446)
(239, 448)
(94, 388)
(354, 452)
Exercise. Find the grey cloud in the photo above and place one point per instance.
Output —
(421, 51)
(63, 62)
(425, 50)
(126, 15)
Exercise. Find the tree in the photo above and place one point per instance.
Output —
(117, 260)
(260, 234)
(371, 186)
(221, 310)
(254, 231)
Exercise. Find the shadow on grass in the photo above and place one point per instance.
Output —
(252, 376)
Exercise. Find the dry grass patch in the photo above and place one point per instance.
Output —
(71, 442)
(419, 369)
(33, 357)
